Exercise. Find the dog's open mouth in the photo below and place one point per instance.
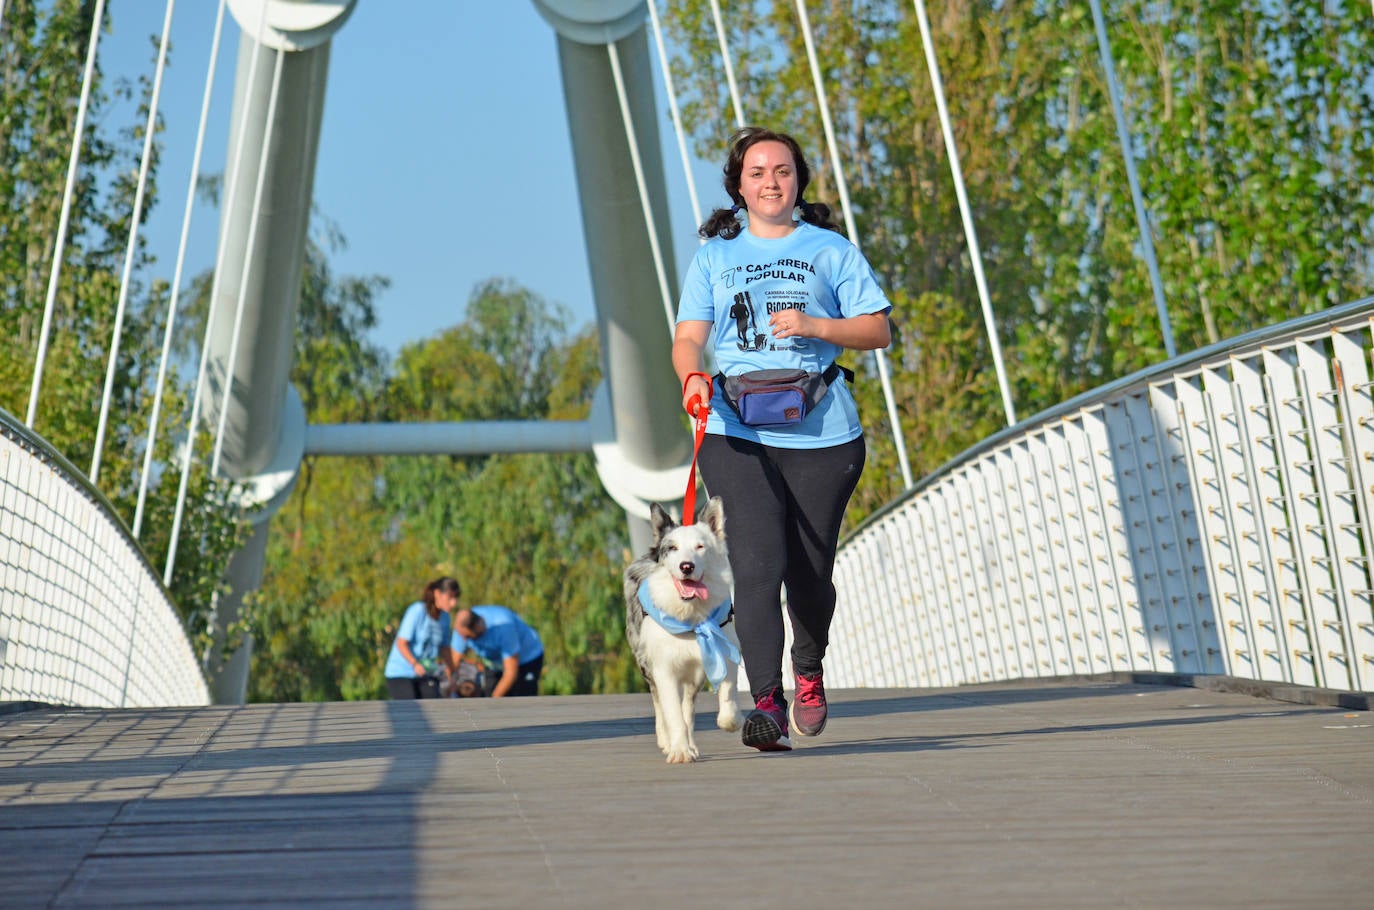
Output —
(688, 588)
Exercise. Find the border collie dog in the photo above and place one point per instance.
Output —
(681, 627)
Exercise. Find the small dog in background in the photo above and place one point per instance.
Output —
(680, 625)
(468, 682)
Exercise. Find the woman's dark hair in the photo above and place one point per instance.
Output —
(442, 583)
(723, 222)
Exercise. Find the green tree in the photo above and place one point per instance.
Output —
(359, 537)
(330, 583)
(1251, 122)
(536, 533)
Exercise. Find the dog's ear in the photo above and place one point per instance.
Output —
(713, 516)
(662, 522)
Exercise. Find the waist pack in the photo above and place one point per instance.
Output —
(771, 398)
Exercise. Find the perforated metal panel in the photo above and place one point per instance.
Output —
(83, 619)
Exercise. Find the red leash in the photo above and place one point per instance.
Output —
(699, 410)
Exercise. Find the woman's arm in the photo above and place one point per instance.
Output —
(404, 647)
(865, 332)
(689, 347)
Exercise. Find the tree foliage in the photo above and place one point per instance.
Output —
(1251, 127)
(359, 538)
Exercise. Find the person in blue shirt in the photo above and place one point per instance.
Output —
(506, 644)
(776, 286)
(421, 650)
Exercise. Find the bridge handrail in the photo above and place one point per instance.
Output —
(84, 619)
(1204, 515)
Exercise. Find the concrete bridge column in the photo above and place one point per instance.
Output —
(651, 449)
(262, 236)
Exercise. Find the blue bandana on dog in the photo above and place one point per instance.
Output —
(716, 649)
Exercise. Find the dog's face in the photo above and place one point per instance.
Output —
(687, 566)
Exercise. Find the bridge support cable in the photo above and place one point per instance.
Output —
(965, 212)
(129, 250)
(175, 295)
(729, 67)
(633, 143)
(60, 244)
(1142, 216)
(193, 425)
(898, 439)
(678, 131)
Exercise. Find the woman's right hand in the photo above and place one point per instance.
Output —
(696, 393)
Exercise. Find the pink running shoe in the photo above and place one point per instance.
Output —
(766, 726)
(808, 706)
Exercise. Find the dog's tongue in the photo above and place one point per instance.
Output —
(687, 588)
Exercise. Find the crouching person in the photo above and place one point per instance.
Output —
(510, 647)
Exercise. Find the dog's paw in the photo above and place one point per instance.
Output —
(681, 756)
(728, 720)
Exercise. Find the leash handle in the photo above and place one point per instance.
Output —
(699, 410)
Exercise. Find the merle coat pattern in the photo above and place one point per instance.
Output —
(688, 571)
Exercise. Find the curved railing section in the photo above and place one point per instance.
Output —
(1210, 515)
(84, 620)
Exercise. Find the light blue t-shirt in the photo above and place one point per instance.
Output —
(507, 635)
(737, 284)
(425, 637)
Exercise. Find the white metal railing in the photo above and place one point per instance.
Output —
(1206, 516)
(84, 620)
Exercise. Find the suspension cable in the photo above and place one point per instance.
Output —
(644, 201)
(886, 380)
(231, 188)
(672, 107)
(970, 235)
(1142, 217)
(248, 262)
(120, 307)
(176, 275)
(729, 67)
(61, 242)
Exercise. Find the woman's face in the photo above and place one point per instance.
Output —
(768, 183)
(445, 601)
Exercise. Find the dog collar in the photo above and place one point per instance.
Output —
(716, 649)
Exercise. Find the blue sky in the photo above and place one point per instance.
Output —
(444, 157)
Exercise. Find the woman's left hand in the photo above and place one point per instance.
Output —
(790, 324)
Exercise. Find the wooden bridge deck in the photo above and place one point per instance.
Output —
(1080, 794)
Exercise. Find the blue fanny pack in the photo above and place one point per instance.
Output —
(771, 398)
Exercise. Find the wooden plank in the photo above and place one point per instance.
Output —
(1075, 794)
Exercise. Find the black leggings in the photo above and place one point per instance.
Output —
(783, 509)
(407, 687)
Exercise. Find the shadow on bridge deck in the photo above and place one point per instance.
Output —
(1089, 794)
